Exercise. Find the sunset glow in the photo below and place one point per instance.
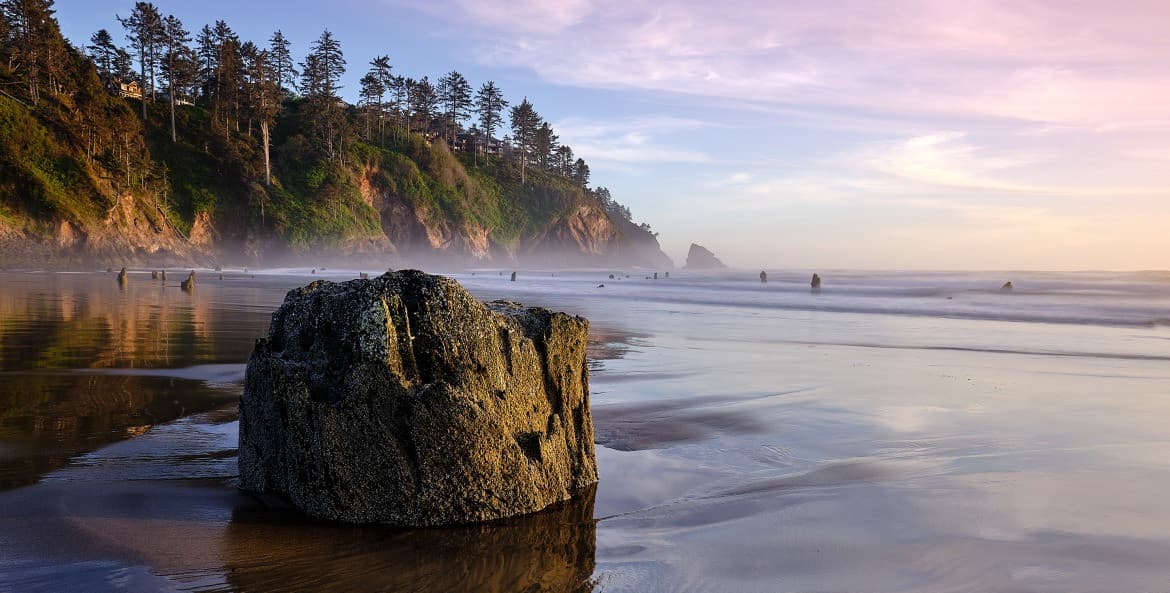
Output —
(985, 134)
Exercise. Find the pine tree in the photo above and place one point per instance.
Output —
(280, 63)
(370, 97)
(265, 100)
(36, 41)
(544, 146)
(423, 102)
(176, 63)
(489, 104)
(104, 52)
(144, 30)
(399, 91)
(564, 160)
(455, 95)
(124, 65)
(251, 61)
(320, 81)
(208, 53)
(581, 174)
(525, 122)
(228, 76)
(383, 80)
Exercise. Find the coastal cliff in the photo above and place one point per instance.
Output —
(409, 202)
(95, 170)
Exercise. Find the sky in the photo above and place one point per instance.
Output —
(903, 134)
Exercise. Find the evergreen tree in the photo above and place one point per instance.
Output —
(544, 146)
(455, 95)
(581, 174)
(104, 52)
(144, 30)
(251, 61)
(564, 160)
(320, 80)
(399, 91)
(423, 102)
(228, 76)
(383, 81)
(370, 97)
(280, 63)
(36, 43)
(208, 53)
(266, 92)
(177, 67)
(124, 65)
(489, 104)
(525, 122)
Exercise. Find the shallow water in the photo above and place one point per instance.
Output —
(896, 432)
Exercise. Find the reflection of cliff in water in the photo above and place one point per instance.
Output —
(551, 551)
(45, 419)
(88, 321)
(52, 325)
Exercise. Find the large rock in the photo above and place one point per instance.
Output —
(700, 258)
(404, 400)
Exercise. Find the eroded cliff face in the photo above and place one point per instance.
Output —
(139, 232)
(135, 231)
(131, 232)
(584, 236)
(410, 229)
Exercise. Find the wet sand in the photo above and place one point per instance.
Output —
(182, 534)
(740, 449)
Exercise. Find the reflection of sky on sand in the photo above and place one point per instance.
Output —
(741, 449)
(887, 469)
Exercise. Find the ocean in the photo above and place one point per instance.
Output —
(895, 431)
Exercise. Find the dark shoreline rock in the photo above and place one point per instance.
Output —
(404, 400)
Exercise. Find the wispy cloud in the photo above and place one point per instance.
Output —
(1033, 126)
(1151, 154)
(1035, 60)
(631, 140)
(946, 159)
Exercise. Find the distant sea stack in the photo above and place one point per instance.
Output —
(699, 258)
(404, 400)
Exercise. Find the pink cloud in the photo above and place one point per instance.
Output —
(1071, 61)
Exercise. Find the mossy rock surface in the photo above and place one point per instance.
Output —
(404, 400)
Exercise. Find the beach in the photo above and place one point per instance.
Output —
(897, 431)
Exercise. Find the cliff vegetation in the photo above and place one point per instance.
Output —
(227, 150)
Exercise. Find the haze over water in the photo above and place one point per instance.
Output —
(896, 432)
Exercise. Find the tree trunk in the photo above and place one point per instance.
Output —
(174, 135)
(142, 91)
(267, 162)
